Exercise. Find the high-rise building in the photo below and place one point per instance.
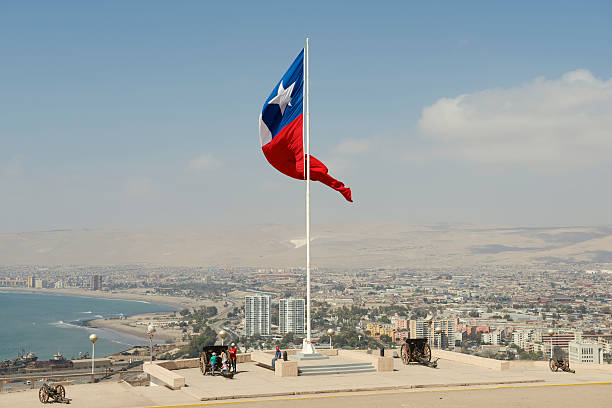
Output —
(439, 333)
(257, 315)
(31, 281)
(444, 332)
(418, 329)
(292, 315)
(96, 282)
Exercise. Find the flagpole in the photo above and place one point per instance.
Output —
(307, 131)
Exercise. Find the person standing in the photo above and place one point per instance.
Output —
(213, 363)
(232, 353)
(224, 363)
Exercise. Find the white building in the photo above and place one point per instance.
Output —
(493, 337)
(521, 337)
(292, 315)
(257, 315)
(581, 352)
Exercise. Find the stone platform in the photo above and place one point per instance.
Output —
(256, 383)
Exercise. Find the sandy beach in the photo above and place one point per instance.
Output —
(137, 325)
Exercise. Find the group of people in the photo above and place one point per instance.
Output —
(225, 365)
(230, 366)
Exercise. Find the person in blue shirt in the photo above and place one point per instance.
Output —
(277, 356)
(213, 363)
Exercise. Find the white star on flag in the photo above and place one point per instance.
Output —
(283, 97)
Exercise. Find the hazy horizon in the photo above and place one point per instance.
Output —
(348, 245)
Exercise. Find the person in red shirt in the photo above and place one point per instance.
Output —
(232, 353)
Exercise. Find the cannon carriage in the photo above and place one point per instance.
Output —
(207, 368)
(563, 364)
(48, 393)
(417, 351)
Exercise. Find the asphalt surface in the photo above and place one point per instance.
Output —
(540, 396)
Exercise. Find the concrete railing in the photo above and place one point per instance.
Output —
(597, 367)
(162, 376)
(518, 364)
(262, 357)
(195, 362)
(179, 364)
(284, 368)
(61, 378)
(498, 365)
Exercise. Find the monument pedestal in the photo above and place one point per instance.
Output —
(309, 352)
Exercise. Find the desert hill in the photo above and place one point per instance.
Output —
(338, 245)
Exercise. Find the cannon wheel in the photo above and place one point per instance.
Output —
(405, 354)
(61, 392)
(43, 395)
(554, 366)
(426, 352)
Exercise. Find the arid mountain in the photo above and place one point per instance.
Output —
(350, 245)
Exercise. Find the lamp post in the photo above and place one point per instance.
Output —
(551, 333)
(93, 338)
(359, 345)
(150, 332)
(222, 334)
(438, 331)
(330, 333)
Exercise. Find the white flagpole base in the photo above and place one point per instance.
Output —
(308, 347)
(309, 352)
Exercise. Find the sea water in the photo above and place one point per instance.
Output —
(47, 324)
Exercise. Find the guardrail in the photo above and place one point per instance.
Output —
(62, 377)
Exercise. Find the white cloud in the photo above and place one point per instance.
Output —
(353, 147)
(565, 121)
(204, 162)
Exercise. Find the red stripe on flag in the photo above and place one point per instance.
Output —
(286, 154)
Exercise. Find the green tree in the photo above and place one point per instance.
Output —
(197, 343)
(386, 339)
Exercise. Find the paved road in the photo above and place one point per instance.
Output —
(540, 396)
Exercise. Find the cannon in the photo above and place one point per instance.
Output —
(417, 351)
(48, 393)
(207, 368)
(563, 364)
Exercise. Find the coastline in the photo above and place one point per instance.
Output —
(134, 325)
(177, 302)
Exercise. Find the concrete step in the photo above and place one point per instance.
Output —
(328, 366)
(336, 369)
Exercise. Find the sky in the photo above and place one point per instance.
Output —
(144, 114)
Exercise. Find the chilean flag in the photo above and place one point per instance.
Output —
(281, 130)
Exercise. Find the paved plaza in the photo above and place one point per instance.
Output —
(253, 383)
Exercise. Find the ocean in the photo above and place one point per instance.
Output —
(46, 324)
